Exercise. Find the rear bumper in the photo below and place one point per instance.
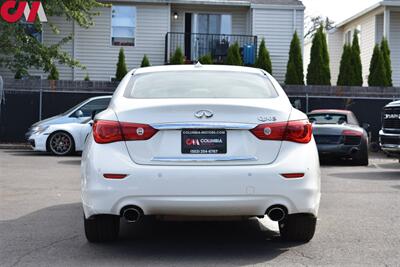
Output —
(337, 150)
(389, 142)
(199, 190)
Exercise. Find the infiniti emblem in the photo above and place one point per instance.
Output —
(203, 114)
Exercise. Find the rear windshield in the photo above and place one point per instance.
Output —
(200, 84)
(328, 118)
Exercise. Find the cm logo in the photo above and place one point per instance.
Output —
(12, 11)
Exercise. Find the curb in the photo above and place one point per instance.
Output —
(15, 146)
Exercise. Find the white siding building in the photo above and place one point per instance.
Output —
(382, 19)
(157, 27)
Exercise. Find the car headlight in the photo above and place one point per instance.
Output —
(41, 129)
(35, 129)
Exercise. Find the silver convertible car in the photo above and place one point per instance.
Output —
(338, 134)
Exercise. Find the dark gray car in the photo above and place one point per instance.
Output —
(338, 134)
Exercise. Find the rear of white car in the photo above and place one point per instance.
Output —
(200, 141)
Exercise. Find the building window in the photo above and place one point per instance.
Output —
(123, 25)
(31, 29)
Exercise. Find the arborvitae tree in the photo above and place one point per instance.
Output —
(177, 58)
(294, 70)
(377, 71)
(387, 61)
(54, 75)
(145, 62)
(87, 78)
(326, 79)
(356, 79)
(346, 71)
(264, 60)
(233, 57)
(291, 74)
(206, 60)
(315, 70)
(121, 66)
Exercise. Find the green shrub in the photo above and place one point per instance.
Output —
(54, 75)
(177, 58)
(121, 66)
(356, 79)
(233, 57)
(318, 72)
(294, 70)
(206, 60)
(326, 79)
(19, 74)
(263, 60)
(387, 61)
(145, 62)
(346, 70)
(87, 78)
(377, 72)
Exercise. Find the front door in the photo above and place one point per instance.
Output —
(207, 30)
(188, 35)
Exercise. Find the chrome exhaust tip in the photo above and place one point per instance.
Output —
(276, 213)
(132, 215)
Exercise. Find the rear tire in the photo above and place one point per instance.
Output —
(101, 228)
(298, 227)
(361, 157)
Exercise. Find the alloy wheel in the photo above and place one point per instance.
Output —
(60, 143)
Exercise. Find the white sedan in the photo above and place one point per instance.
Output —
(200, 141)
(61, 139)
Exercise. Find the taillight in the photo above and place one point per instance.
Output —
(293, 131)
(136, 131)
(351, 133)
(107, 132)
(113, 131)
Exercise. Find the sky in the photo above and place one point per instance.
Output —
(336, 10)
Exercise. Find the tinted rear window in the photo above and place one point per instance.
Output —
(200, 84)
(328, 118)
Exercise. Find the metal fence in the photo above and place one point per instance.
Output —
(27, 102)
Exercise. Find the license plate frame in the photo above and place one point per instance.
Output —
(204, 141)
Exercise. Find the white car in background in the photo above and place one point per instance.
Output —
(61, 139)
(208, 141)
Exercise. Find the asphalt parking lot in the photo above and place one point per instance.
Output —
(41, 223)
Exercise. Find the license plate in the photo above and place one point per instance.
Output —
(204, 141)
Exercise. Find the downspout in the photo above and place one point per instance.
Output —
(294, 20)
(386, 23)
(73, 48)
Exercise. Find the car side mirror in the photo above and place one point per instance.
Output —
(366, 126)
(91, 122)
(79, 114)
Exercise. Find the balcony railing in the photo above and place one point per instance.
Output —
(196, 45)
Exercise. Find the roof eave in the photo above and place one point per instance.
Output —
(362, 13)
(191, 2)
(266, 6)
